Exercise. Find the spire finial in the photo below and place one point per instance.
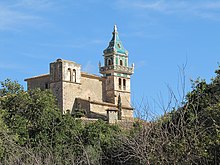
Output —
(115, 28)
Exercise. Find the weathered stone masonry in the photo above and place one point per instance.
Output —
(98, 96)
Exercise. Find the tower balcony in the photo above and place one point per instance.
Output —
(116, 68)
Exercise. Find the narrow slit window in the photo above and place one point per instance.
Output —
(124, 84)
(69, 74)
(74, 75)
(119, 83)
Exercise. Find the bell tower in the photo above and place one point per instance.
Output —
(116, 71)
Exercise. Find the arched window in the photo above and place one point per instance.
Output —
(119, 83)
(121, 62)
(69, 74)
(110, 62)
(124, 84)
(74, 75)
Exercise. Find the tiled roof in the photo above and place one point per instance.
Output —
(115, 45)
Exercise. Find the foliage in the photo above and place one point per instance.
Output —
(39, 131)
(10, 87)
(34, 131)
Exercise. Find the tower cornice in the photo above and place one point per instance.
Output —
(117, 68)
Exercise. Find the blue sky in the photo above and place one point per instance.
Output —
(160, 35)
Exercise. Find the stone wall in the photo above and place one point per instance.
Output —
(109, 89)
(127, 113)
(97, 94)
(101, 108)
(41, 82)
(90, 88)
(112, 116)
(56, 88)
(70, 92)
(71, 71)
(98, 109)
(125, 98)
(81, 105)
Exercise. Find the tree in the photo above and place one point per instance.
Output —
(10, 87)
(189, 134)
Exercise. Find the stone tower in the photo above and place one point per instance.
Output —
(65, 76)
(116, 71)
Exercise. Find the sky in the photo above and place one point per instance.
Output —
(163, 37)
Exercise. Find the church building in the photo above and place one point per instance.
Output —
(106, 97)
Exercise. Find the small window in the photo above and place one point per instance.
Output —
(69, 74)
(110, 62)
(74, 75)
(121, 63)
(46, 86)
(124, 84)
(119, 83)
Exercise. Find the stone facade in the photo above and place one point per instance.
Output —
(97, 96)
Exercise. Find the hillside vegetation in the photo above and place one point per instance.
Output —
(34, 131)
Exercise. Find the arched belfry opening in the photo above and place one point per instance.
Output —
(121, 62)
(110, 62)
(69, 75)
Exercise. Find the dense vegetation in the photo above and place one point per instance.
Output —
(34, 131)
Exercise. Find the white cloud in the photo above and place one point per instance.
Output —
(151, 6)
(202, 9)
(34, 4)
(20, 13)
(11, 20)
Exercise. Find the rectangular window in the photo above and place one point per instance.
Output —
(119, 83)
(108, 74)
(46, 86)
(124, 84)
